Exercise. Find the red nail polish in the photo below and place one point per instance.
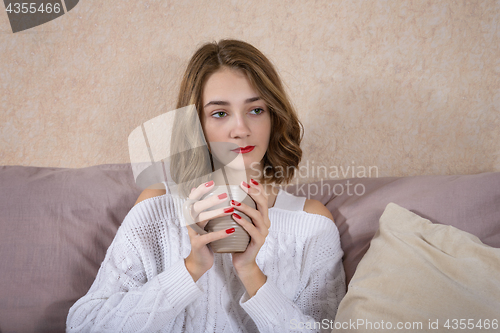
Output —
(222, 196)
(228, 210)
(230, 231)
(210, 183)
(246, 185)
(235, 203)
(237, 216)
(254, 182)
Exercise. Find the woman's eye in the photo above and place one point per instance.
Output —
(257, 111)
(220, 114)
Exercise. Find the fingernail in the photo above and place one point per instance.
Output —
(230, 231)
(235, 203)
(210, 183)
(245, 184)
(228, 210)
(222, 196)
(254, 182)
(237, 216)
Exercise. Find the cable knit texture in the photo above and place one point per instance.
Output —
(143, 284)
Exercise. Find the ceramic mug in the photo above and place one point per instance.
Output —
(237, 241)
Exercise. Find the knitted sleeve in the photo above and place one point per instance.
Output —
(314, 309)
(126, 296)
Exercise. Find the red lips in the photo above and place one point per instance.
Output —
(244, 150)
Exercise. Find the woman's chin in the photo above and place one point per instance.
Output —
(237, 167)
(250, 169)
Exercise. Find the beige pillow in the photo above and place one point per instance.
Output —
(420, 276)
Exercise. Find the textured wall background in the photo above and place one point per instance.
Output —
(408, 87)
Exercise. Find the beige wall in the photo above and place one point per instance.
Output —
(408, 87)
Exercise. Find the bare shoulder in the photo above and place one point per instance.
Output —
(151, 192)
(315, 207)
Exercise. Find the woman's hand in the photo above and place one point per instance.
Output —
(201, 257)
(249, 273)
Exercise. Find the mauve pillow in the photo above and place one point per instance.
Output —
(468, 202)
(56, 225)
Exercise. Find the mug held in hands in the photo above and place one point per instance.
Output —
(238, 241)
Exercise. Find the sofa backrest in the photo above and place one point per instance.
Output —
(56, 224)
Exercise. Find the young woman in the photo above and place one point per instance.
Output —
(159, 275)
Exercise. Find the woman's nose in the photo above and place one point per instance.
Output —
(240, 128)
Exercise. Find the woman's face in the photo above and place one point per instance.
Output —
(235, 119)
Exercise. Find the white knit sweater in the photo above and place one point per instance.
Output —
(143, 284)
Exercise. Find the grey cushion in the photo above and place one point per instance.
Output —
(56, 225)
(468, 202)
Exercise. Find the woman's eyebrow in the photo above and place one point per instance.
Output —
(248, 100)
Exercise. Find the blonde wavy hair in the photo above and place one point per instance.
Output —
(284, 152)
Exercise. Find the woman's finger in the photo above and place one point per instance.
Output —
(251, 212)
(201, 205)
(206, 203)
(256, 235)
(212, 214)
(201, 190)
(257, 193)
(192, 234)
(216, 235)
